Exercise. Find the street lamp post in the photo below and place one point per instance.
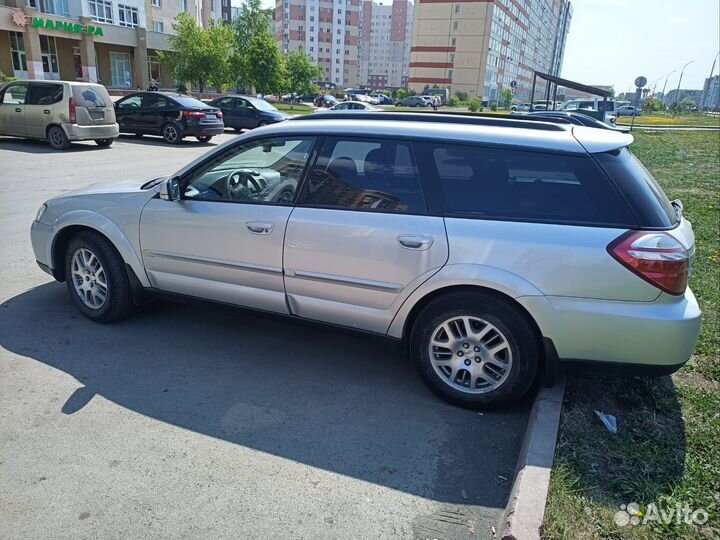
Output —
(654, 86)
(665, 84)
(677, 92)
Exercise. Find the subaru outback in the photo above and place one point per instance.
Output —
(494, 248)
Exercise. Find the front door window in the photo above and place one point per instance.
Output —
(120, 70)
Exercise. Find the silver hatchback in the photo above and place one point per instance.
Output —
(497, 249)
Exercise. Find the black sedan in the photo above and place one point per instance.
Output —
(171, 115)
(245, 112)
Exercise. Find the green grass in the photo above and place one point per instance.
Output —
(666, 119)
(295, 109)
(667, 449)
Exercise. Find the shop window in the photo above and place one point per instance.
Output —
(48, 55)
(120, 70)
(154, 68)
(101, 10)
(77, 61)
(17, 52)
(127, 16)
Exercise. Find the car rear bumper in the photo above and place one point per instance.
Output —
(75, 132)
(204, 130)
(657, 334)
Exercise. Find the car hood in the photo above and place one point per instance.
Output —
(124, 186)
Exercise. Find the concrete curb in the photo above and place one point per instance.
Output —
(524, 512)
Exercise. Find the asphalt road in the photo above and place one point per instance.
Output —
(192, 420)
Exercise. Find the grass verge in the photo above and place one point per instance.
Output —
(665, 119)
(296, 109)
(667, 449)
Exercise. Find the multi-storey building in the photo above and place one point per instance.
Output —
(710, 99)
(327, 30)
(483, 46)
(384, 45)
(114, 42)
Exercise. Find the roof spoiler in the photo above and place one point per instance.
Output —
(595, 140)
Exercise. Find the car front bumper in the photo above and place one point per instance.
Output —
(75, 132)
(658, 334)
(40, 239)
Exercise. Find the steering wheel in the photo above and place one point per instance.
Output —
(240, 185)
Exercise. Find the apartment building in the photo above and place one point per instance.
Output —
(328, 30)
(114, 42)
(384, 44)
(483, 46)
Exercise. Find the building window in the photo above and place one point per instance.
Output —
(158, 26)
(452, 42)
(183, 5)
(127, 16)
(77, 61)
(457, 8)
(17, 52)
(120, 70)
(48, 53)
(156, 3)
(450, 74)
(455, 25)
(101, 10)
(154, 69)
(56, 7)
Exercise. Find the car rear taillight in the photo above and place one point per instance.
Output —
(72, 113)
(219, 114)
(194, 114)
(656, 257)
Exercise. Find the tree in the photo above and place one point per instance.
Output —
(301, 72)
(506, 97)
(198, 55)
(252, 21)
(266, 72)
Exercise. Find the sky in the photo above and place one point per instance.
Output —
(611, 42)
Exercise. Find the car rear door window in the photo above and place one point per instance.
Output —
(154, 101)
(90, 96)
(525, 185)
(365, 174)
(132, 102)
(45, 94)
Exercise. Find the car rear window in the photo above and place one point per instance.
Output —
(524, 185)
(90, 96)
(189, 102)
(646, 197)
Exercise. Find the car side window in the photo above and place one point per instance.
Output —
(15, 94)
(132, 102)
(241, 104)
(261, 171)
(44, 94)
(154, 101)
(516, 184)
(226, 102)
(365, 174)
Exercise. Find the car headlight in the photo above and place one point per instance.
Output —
(40, 212)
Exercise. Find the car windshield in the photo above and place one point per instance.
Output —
(187, 101)
(261, 105)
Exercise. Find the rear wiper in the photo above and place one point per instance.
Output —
(678, 206)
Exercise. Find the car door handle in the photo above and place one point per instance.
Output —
(46, 111)
(416, 242)
(18, 109)
(259, 227)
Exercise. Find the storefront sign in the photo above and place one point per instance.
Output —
(70, 27)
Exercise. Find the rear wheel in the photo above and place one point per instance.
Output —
(96, 278)
(171, 134)
(204, 138)
(103, 142)
(57, 138)
(474, 349)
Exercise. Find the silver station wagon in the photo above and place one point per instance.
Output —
(496, 249)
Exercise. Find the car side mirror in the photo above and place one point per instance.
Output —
(170, 189)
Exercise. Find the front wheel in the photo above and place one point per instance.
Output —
(96, 278)
(103, 142)
(204, 138)
(171, 134)
(475, 349)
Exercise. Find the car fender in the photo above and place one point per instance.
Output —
(453, 275)
(100, 223)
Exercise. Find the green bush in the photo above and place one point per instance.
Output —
(6, 78)
(493, 107)
(453, 102)
(461, 96)
(474, 105)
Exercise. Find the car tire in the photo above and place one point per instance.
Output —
(57, 138)
(495, 362)
(96, 278)
(104, 142)
(204, 138)
(171, 134)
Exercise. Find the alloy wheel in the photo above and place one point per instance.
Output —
(170, 134)
(89, 279)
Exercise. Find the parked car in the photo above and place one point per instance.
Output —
(170, 115)
(353, 106)
(413, 101)
(496, 248)
(325, 100)
(383, 99)
(58, 111)
(577, 117)
(245, 112)
(629, 110)
(307, 98)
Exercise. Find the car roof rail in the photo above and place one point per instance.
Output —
(544, 124)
